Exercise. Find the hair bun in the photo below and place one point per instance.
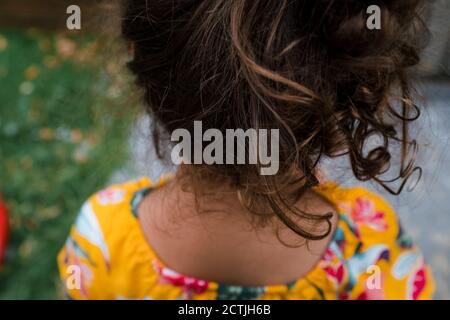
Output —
(311, 69)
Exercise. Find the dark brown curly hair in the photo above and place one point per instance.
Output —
(311, 69)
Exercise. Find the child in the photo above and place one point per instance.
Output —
(328, 82)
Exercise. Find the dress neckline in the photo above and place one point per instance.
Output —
(326, 190)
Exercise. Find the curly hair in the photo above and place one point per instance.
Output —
(311, 69)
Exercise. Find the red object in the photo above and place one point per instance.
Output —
(4, 226)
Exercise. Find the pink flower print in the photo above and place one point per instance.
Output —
(417, 284)
(335, 271)
(343, 296)
(328, 255)
(364, 212)
(189, 284)
(110, 196)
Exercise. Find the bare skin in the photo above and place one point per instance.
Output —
(222, 245)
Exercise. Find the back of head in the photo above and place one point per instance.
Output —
(311, 69)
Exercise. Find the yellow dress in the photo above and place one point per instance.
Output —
(370, 257)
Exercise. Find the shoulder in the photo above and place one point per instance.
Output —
(104, 229)
(381, 261)
(363, 213)
(104, 210)
(116, 199)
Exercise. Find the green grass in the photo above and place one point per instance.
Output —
(61, 137)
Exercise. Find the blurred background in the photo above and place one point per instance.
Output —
(69, 125)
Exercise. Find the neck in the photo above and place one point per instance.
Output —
(213, 237)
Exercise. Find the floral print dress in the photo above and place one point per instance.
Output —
(106, 255)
